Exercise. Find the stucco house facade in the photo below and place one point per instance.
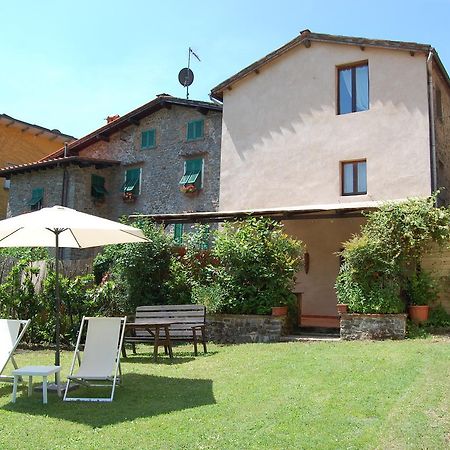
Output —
(23, 142)
(161, 157)
(326, 127)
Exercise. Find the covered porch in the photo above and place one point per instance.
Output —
(322, 228)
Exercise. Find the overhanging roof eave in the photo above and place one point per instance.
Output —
(290, 213)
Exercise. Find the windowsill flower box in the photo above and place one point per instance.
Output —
(188, 189)
(128, 197)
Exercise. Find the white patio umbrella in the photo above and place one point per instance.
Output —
(64, 227)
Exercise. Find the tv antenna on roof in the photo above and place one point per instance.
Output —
(186, 76)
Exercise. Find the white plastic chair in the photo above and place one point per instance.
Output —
(100, 361)
(11, 333)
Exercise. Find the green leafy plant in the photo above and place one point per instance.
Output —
(257, 264)
(380, 261)
(438, 318)
(141, 270)
(212, 296)
(421, 288)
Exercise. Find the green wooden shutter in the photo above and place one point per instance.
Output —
(195, 130)
(178, 233)
(144, 139)
(131, 184)
(98, 186)
(193, 172)
(199, 129)
(37, 196)
(148, 139)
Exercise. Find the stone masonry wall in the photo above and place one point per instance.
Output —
(238, 329)
(162, 168)
(373, 326)
(442, 134)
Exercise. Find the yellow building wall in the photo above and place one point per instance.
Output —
(438, 263)
(18, 147)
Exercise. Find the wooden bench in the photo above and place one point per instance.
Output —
(187, 324)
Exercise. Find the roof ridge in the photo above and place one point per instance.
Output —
(306, 37)
(127, 119)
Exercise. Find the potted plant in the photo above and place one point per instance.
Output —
(281, 309)
(342, 308)
(421, 290)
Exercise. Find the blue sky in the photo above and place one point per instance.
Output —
(69, 64)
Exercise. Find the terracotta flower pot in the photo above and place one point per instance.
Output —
(279, 310)
(418, 313)
(342, 308)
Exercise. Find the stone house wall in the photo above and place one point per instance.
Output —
(162, 168)
(442, 134)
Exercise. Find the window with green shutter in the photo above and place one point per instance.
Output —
(37, 196)
(192, 173)
(178, 233)
(195, 130)
(148, 139)
(98, 186)
(132, 181)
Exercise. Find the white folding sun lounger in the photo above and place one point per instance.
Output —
(11, 333)
(100, 362)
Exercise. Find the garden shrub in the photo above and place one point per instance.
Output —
(140, 270)
(256, 266)
(382, 264)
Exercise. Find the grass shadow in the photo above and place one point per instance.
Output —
(179, 357)
(140, 396)
(5, 388)
(148, 359)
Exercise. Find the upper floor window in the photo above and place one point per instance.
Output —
(37, 197)
(148, 139)
(195, 130)
(98, 190)
(192, 176)
(354, 178)
(353, 88)
(132, 182)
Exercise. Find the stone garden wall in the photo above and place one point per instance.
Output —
(373, 326)
(237, 329)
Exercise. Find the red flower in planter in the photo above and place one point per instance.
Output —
(188, 189)
(128, 197)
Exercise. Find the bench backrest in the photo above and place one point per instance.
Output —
(186, 317)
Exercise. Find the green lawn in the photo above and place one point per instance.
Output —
(277, 396)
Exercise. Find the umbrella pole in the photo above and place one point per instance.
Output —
(57, 301)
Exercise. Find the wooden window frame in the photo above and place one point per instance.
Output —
(352, 66)
(355, 177)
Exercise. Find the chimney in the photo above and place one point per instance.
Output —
(110, 119)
